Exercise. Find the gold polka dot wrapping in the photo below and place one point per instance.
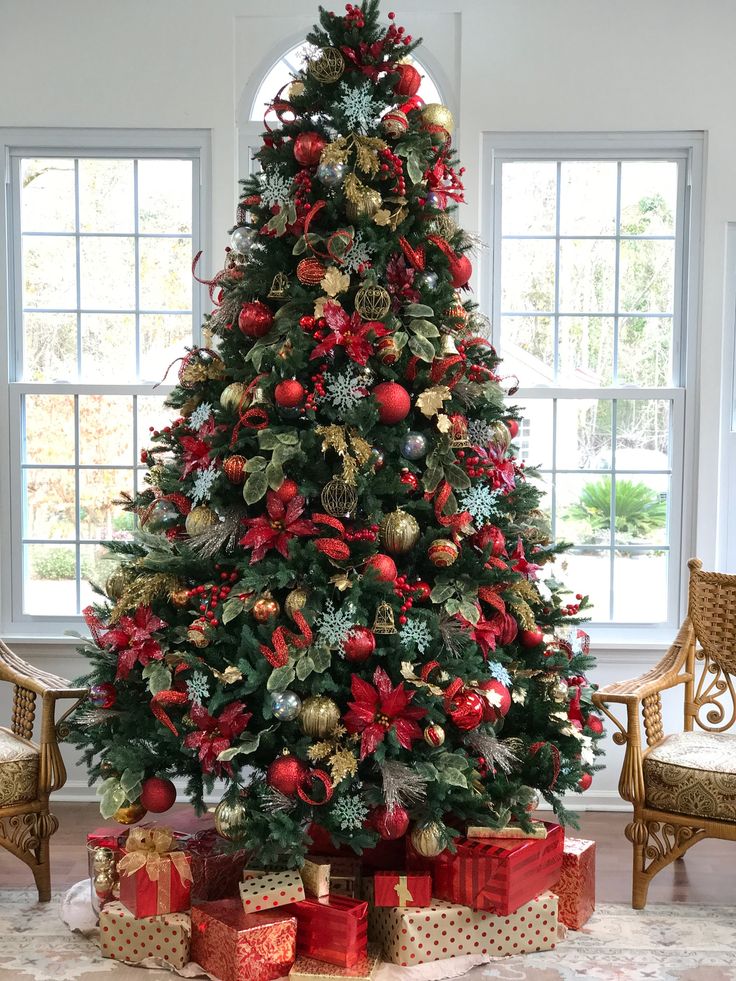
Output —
(339, 498)
(372, 302)
(328, 66)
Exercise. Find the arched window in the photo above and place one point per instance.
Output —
(280, 74)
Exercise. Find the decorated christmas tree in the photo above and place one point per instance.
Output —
(339, 606)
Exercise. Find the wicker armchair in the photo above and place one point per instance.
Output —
(30, 771)
(682, 786)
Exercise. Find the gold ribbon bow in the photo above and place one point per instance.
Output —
(403, 893)
(156, 850)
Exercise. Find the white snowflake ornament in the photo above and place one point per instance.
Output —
(333, 626)
(274, 187)
(481, 502)
(344, 389)
(198, 687)
(359, 254)
(201, 415)
(358, 105)
(350, 813)
(203, 483)
(415, 633)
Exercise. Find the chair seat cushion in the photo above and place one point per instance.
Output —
(18, 769)
(693, 773)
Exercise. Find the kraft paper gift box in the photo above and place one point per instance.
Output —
(309, 969)
(345, 873)
(125, 937)
(236, 946)
(416, 936)
(332, 929)
(269, 890)
(155, 874)
(216, 872)
(575, 888)
(402, 889)
(316, 877)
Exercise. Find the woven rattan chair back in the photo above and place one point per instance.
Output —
(712, 611)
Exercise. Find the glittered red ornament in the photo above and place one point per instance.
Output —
(359, 644)
(234, 469)
(531, 638)
(594, 724)
(289, 393)
(409, 480)
(491, 711)
(490, 535)
(585, 781)
(287, 491)
(104, 695)
(390, 824)
(384, 565)
(394, 402)
(157, 794)
(308, 148)
(387, 350)
(255, 319)
(408, 82)
(513, 427)
(310, 272)
(466, 710)
(422, 591)
(286, 774)
(461, 269)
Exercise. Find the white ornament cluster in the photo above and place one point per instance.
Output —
(481, 502)
(274, 187)
(203, 483)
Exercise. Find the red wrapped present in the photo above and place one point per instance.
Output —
(402, 889)
(155, 874)
(332, 929)
(126, 938)
(107, 837)
(216, 872)
(576, 886)
(500, 874)
(236, 946)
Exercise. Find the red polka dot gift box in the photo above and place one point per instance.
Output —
(235, 946)
(269, 890)
(575, 888)
(416, 936)
(125, 937)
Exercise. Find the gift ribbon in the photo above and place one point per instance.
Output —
(253, 418)
(403, 893)
(157, 851)
(453, 522)
(167, 697)
(281, 637)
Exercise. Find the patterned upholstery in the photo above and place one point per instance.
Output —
(693, 773)
(18, 769)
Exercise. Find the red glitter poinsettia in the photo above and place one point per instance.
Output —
(377, 710)
(196, 454)
(215, 734)
(274, 529)
(400, 282)
(521, 564)
(350, 332)
(132, 639)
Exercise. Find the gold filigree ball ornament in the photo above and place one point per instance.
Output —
(234, 468)
(319, 716)
(200, 519)
(434, 735)
(339, 498)
(295, 601)
(231, 819)
(328, 66)
(265, 608)
(232, 396)
(117, 581)
(310, 271)
(442, 552)
(372, 302)
(436, 118)
(399, 532)
(428, 840)
(129, 813)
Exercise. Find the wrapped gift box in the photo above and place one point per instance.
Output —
(450, 930)
(345, 873)
(316, 877)
(499, 874)
(402, 888)
(125, 937)
(309, 969)
(104, 863)
(236, 946)
(575, 888)
(268, 890)
(216, 871)
(332, 929)
(155, 874)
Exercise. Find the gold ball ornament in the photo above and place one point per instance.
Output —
(436, 117)
(103, 860)
(265, 608)
(339, 498)
(399, 532)
(231, 819)
(234, 468)
(443, 225)
(434, 735)
(372, 302)
(442, 552)
(180, 598)
(501, 436)
(117, 581)
(200, 519)
(319, 716)
(428, 840)
(295, 601)
(129, 813)
(328, 66)
(394, 124)
(104, 883)
(365, 206)
(232, 395)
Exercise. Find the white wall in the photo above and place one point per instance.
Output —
(512, 65)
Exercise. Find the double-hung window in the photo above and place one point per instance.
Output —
(102, 227)
(589, 287)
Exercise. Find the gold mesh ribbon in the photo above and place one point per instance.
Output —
(403, 892)
(157, 851)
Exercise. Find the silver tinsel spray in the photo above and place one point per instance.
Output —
(401, 785)
(496, 754)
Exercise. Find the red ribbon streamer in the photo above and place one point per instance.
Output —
(168, 697)
(94, 624)
(311, 214)
(327, 519)
(246, 418)
(454, 522)
(332, 548)
(441, 368)
(211, 284)
(534, 749)
(185, 359)
(281, 638)
(415, 256)
(324, 779)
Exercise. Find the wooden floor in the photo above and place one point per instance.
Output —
(703, 877)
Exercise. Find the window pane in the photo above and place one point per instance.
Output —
(583, 505)
(640, 586)
(535, 433)
(106, 202)
(152, 413)
(588, 197)
(528, 345)
(106, 430)
(585, 351)
(642, 434)
(587, 270)
(99, 517)
(528, 275)
(648, 197)
(642, 503)
(96, 567)
(589, 573)
(49, 580)
(529, 192)
(584, 434)
(107, 270)
(165, 196)
(49, 347)
(49, 272)
(166, 274)
(163, 338)
(46, 414)
(108, 347)
(47, 195)
(647, 274)
(49, 504)
(645, 351)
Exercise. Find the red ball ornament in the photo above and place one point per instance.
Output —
(509, 628)
(286, 774)
(157, 794)
(493, 712)
(461, 269)
(255, 319)
(513, 427)
(359, 644)
(234, 469)
(466, 710)
(388, 352)
(390, 824)
(490, 535)
(384, 565)
(593, 723)
(394, 402)
(422, 591)
(408, 479)
(289, 394)
(585, 781)
(287, 491)
(308, 148)
(104, 695)
(531, 638)
(408, 82)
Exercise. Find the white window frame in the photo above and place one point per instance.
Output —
(687, 148)
(15, 143)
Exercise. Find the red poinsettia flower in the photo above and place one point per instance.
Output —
(196, 454)
(521, 564)
(400, 282)
(132, 639)
(377, 710)
(353, 333)
(215, 734)
(274, 529)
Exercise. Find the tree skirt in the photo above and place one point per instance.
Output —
(662, 943)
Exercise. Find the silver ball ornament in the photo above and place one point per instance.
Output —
(429, 280)
(163, 515)
(286, 705)
(434, 200)
(414, 446)
(331, 174)
(242, 239)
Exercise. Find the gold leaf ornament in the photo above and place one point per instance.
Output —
(431, 400)
(335, 282)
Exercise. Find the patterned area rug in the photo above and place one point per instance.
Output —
(661, 943)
